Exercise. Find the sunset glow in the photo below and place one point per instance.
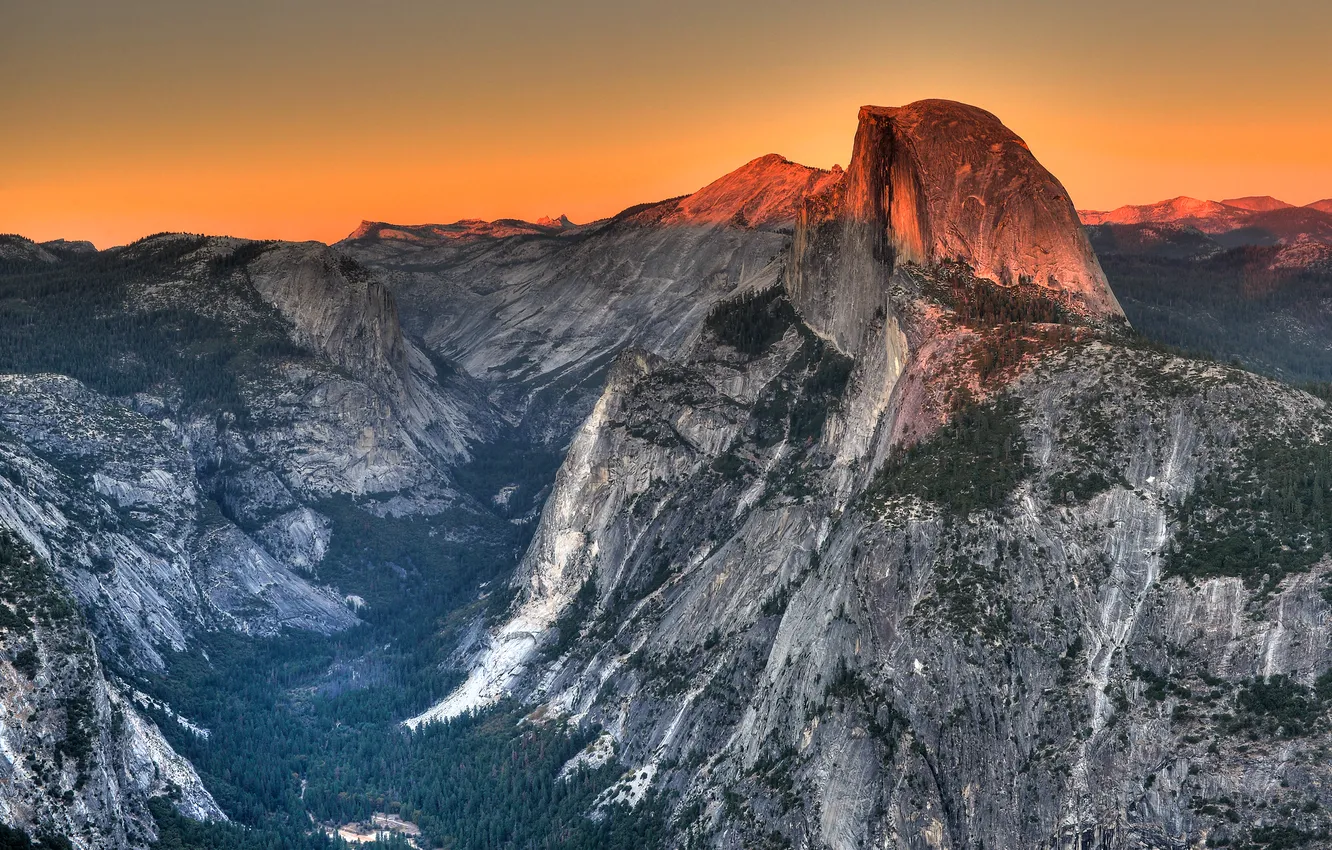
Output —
(300, 119)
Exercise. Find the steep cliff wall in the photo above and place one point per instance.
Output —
(931, 182)
(335, 307)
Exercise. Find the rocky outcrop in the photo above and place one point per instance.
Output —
(336, 308)
(67, 246)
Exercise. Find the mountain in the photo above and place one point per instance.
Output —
(1232, 223)
(207, 436)
(1257, 203)
(191, 431)
(901, 555)
(539, 315)
(1245, 279)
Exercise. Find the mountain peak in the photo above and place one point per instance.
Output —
(562, 222)
(762, 194)
(1321, 206)
(1257, 203)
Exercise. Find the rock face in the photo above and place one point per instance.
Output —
(814, 591)
(336, 308)
(110, 498)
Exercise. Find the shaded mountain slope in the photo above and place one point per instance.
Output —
(1270, 308)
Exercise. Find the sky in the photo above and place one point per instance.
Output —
(297, 119)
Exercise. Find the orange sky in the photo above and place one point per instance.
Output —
(298, 118)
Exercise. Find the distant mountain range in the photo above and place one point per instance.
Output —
(1188, 227)
(1243, 278)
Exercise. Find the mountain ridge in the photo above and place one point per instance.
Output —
(1259, 220)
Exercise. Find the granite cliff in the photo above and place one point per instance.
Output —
(537, 313)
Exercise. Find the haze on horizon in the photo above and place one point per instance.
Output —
(298, 119)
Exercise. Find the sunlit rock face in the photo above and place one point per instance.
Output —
(931, 182)
(764, 194)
